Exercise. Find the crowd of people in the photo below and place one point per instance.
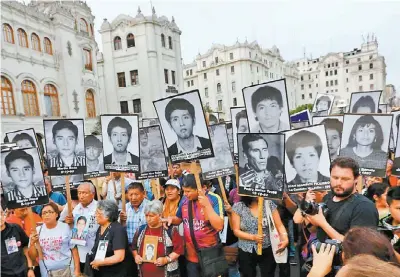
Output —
(344, 232)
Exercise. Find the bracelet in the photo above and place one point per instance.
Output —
(168, 259)
(31, 268)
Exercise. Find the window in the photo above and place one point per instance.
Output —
(370, 57)
(218, 87)
(335, 71)
(316, 85)
(162, 40)
(219, 105)
(88, 59)
(52, 105)
(331, 83)
(309, 86)
(301, 78)
(329, 65)
(187, 72)
(360, 88)
(371, 86)
(258, 81)
(206, 92)
(347, 62)
(205, 76)
(347, 71)
(333, 64)
(232, 69)
(347, 89)
(326, 73)
(191, 83)
(360, 78)
(310, 95)
(251, 68)
(83, 26)
(22, 38)
(8, 33)
(173, 77)
(302, 96)
(359, 59)
(336, 82)
(124, 106)
(137, 106)
(134, 77)
(166, 76)
(336, 63)
(331, 73)
(360, 67)
(188, 83)
(257, 69)
(117, 43)
(233, 86)
(204, 63)
(170, 42)
(31, 107)
(250, 55)
(371, 65)
(121, 79)
(302, 87)
(309, 77)
(347, 80)
(216, 60)
(130, 40)
(7, 104)
(371, 76)
(231, 56)
(217, 72)
(35, 40)
(234, 101)
(191, 72)
(327, 84)
(90, 105)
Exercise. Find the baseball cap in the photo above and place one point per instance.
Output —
(173, 182)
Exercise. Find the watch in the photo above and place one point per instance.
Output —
(169, 259)
(31, 268)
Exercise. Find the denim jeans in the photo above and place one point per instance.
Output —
(193, 269)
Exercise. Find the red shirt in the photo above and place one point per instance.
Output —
(25, 223)
(150, 269)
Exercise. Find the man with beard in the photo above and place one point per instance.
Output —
(181, 117)
(346, 208)
(261, 171)
(120, 133)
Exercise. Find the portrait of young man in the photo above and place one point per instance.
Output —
(94, 149)
(119, 134)
(240, 124)
(24, 178)
(65, 146)
(260, 166)
(267, 107)
(184, 127)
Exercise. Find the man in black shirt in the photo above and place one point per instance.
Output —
(15, 260)
(347, 208)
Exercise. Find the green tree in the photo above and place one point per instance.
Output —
(207, 109)
(300, 108)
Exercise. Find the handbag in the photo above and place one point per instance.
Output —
(211, 259)
(231, 254)
(274, 236)
(88, 270)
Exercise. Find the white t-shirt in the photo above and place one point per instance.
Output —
(56, 247)
(88, 212)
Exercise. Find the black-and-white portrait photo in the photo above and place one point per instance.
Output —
(395, 129)
(383, 108)
(267, 107)
(365, 140)
(221, 164)
(307, 159)
(334, 129)
(184, 126)
(22, 178)
(229, 131)
(365, 102)
(323, 104)
(152, 155)
(213, 118)
(396, 162)
(261, 165)
(120, 142)
(58, 182)
(23, 138)
(94, 157)
(240, 124)
(146, 122)
(65, 146)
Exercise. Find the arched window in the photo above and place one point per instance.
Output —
(29, 96)
(7, 97)
(35, 42)
(162, 40)
(218, 87)
(22, 38)
(170, 42)
(52, 105)
(117, 43)
(83, 26)
(8, 33)
(91, 29)
(90, 105)
(47, 46)
(130, 39)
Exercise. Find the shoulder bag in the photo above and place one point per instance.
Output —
(274, 236)
(211, 259)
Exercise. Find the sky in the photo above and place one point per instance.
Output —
(295, 27)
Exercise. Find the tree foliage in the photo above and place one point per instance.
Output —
(302, 107)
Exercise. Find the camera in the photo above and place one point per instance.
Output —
(312, 208)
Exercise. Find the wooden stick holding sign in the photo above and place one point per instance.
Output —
(123, 192)
(96, 185)
(68, 192)
(260, 220)
(156, 182)
(359, 184)
(194, 169)
(222, 188)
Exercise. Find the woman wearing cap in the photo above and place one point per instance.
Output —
(172, 198)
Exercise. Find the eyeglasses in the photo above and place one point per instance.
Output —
(48, 212)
